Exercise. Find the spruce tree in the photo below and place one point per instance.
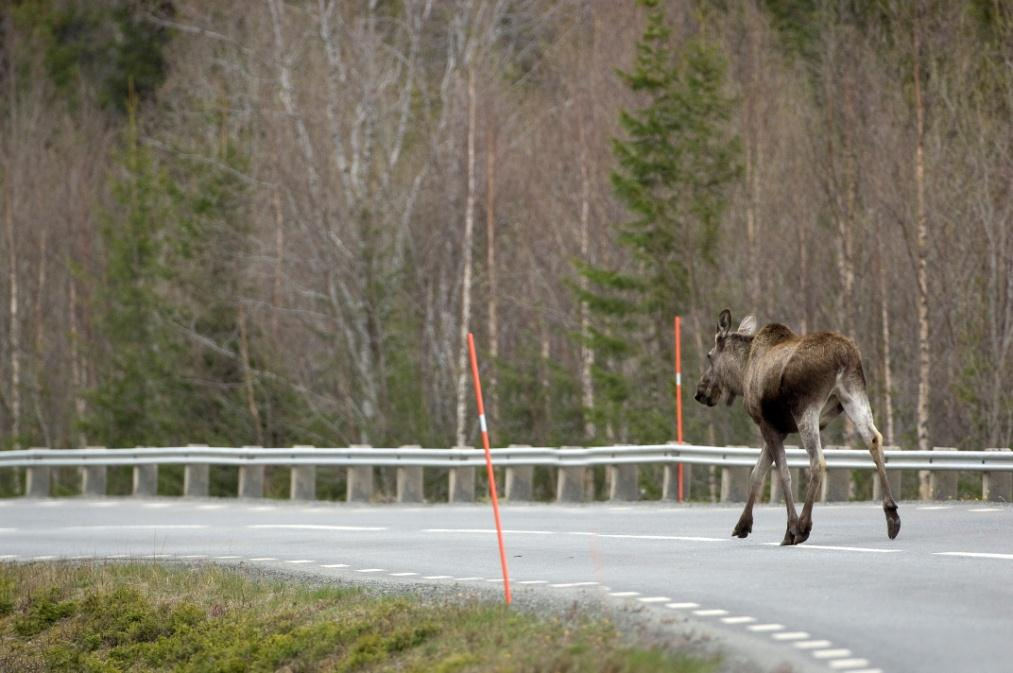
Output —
(677, 160)
(137, 367)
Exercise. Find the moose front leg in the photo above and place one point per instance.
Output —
(745, 525)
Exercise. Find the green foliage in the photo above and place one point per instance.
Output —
(139, 384)
(104, 50)
(675, 165)
(146, 618)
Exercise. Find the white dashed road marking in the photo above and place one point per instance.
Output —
(654, 599)
(300, 561)
(624, 594)
(812, 644)
(832, 654)
(790, 635)
(682, 606)
(765, 628)
(987, 509)
(309, 526)
(335, 565)
(824, 547)
(438, 577)
(843, 664)
(371, 570)
(260, 559)
(738, 620)
(533, 582)
(402, 574)
(714, 612)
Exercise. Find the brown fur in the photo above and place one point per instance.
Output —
(792, 383)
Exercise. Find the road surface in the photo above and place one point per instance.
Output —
(938, 598)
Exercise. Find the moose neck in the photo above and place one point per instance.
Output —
(738, 346)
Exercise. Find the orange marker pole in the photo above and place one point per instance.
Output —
(488, 466)
(678, 396)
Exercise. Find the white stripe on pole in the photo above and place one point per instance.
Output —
(481, 423)
(678, 379)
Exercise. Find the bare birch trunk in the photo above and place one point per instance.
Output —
(76, 368)
(586, 352)
(38, 348)
(490, 243)
(279, 262)
(922, 231)
(15, 335)
(244, 354)
(469, 227)
(887, 377)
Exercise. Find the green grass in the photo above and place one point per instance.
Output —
(139, 617)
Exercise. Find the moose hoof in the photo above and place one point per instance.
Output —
(742, 529)
(791, 536)
(892, 525)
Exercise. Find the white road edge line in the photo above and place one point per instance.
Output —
(971, 554)
(825, 547)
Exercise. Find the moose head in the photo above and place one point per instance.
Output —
(723, 370)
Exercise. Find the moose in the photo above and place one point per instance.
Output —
(792, 383)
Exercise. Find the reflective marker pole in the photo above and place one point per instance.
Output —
(488, 466)
(678, 397)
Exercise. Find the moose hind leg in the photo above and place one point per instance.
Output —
(809, 432)
(856, 406)
(745, 525)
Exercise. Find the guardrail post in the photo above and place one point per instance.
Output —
(570, 482)
(195, 477)
(37, 480)
(624, 482)
(461, 484)
(519, 479)
(670, 481)
(734, 483)
(93, 480)
(837, 484)
(303, 480)
(359, 480)
(145, 480)
(409, 480)
(251, 479)
(997, 486)
(892, 476)
(943, 483)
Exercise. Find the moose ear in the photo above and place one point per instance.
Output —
(748, 325)
(724, 322)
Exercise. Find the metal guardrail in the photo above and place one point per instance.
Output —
(939, 460)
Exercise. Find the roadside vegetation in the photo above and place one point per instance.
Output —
(139, 617)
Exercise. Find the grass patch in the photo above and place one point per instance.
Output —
(111, 618)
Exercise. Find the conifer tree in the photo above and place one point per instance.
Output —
(677, 161)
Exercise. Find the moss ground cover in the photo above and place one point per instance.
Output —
(140, 617)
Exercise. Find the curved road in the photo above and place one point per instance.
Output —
(938, 598)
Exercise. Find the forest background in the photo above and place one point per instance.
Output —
(272, 223)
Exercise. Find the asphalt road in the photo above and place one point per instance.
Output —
(938, 598)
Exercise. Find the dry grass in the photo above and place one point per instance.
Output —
(139, 617)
